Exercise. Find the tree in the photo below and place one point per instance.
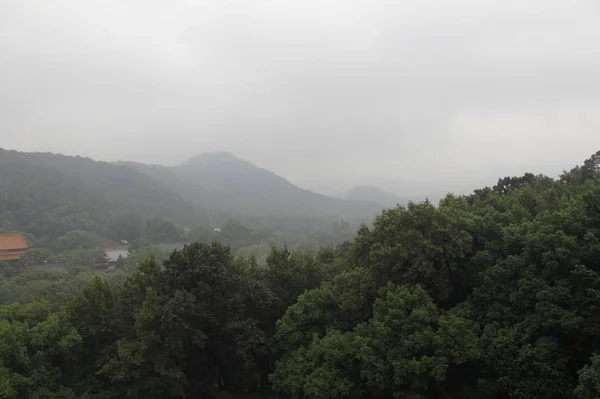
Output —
(34, 341)
(202, 233)
(589, 379)
(79, 258)
(160, 230)
(6, 269)
(188, 331)
(581, 174)
(126, 227)
(36, 255)
(120, 263)
(407, 350)
(259, 252)
(493, 295)
(75, 239)
(420, 244)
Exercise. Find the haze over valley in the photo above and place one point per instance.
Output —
(417, 98)
(300, 199)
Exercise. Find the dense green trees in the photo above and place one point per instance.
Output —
(515, 267)
(56, 199)
(195, 326)
(49, 195)
(160, 230)
(408, 349)
(491, 295)
(127, 227)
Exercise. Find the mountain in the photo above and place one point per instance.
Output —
(330, 186)
(373, 194)
(221, 182)
(48, 194)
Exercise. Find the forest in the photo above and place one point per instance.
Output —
(495, 294)
(52, 197)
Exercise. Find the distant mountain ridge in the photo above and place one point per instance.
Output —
(373, 194)
(221, 182)
(204, 184)
(41, 192)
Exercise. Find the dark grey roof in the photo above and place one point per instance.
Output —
(58, 266)
(113, 254)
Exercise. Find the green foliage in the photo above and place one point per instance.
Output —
(589, 379)
(223, 183)
(259, 253)
(126, 227)
(202, 233)
(36, 255)
(49, 195)
(421, 244)
(79, 258)
(7, 269)
(406, 350)
(75, 239)
(160, 230)
(580, 174)
(58, 288)
(139, 255)
(33, 344)
(492, 295)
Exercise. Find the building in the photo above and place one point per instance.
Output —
(12, 246)
(109, 259)
(102, 262)
(113, 254)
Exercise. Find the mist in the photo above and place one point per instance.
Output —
(417, 97)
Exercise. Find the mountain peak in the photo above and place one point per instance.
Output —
(209, 158)
(218, 154)
(221, 182)
(372, 194)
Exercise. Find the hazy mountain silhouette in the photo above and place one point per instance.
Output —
(213, 182)
(38, 190)
(222, 182)
(373, 194)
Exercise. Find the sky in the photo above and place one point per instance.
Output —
(415, 96)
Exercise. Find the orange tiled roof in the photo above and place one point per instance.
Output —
(12, 242)
(12, 256)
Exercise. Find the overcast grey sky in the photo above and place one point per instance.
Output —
(423, 95)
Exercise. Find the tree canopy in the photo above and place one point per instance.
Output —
(493, 295)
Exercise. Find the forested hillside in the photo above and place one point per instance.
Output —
(491, 295)
(373, 194)
(223, 183)
(47, 194)
(37, 187)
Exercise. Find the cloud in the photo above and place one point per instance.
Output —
(414, 95)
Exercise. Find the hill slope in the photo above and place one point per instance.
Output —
(41, 192)
(373, 194)
(222, 182)
(48, 194)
